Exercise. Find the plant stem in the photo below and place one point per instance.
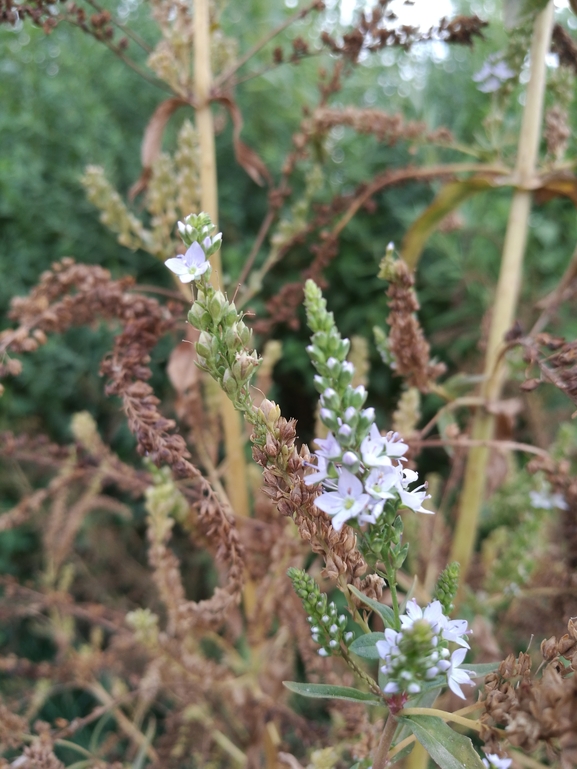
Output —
(372, 684)
(394, 599)
(380, 759)
(506, 296)
(444, 715)
(236, 473)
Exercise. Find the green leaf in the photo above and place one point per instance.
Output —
(449, 198)
(483, 669)
(517, 12)
(326, 691)
(365, 645)
(421, 700)
(401, 754)
(384, 612)
(446, 747)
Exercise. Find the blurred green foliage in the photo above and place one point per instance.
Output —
(67, 102)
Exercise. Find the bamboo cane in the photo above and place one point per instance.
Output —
(507, 294)
(235, 474)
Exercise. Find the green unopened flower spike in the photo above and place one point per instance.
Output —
(327, 626)
(223, 348)
(447, 586)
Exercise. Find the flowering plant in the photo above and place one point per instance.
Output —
(365, 487)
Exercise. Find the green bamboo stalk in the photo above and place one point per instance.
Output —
(507, 293)
(235, 473)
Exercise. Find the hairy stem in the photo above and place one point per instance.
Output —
(507, 295)
(372, 684)
(380, 759)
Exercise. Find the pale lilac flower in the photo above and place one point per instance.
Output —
(494, 760)
(372, 449)
(189, 266)
(388, 648)
(321, 473)
(454, 630)
(380, 482)
(329, 447)
(493, 74)
(545, 501)
(414, 500)
(433, 613)
(450, 629)
(394, 446)
(455, 676)
(346, 502)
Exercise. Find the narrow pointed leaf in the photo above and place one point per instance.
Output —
(384, 612)
(366, 645)
(446, 747)
(326, 691)
(421, 700)
(450, 197)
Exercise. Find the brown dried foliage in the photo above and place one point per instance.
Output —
(73, 294)
(284, 482)
(535, 710)
(556, 359)
(164, 664)
(406, 338)
(565, 48)
(374, 31)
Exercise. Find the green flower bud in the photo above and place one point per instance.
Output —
(230, 316)
(195, 314)
(229, 383)
(447, 586)
(217, 306)
(204, 344)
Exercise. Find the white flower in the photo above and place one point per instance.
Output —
(450, 629)
(494, 760)
(189, 266)
(380, 481)
(433, 613)
(388, 648)
(329, 447)
(414, 500)
(542, 499)
(347, 502)
(455, 676)
(372, 449)
(394, 445)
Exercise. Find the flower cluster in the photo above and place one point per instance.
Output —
(419, 652)
(359, 468)
(327, 625)
(494, 72)
(224, 341)
(195, 232)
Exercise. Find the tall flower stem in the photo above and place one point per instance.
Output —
(380, 759)
(236, 474)
(507, 294)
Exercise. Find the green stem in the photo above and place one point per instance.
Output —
(380, 759)
(444, 715)
(506, 296)
(369, 680)
(344, 588)
(392, 580)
